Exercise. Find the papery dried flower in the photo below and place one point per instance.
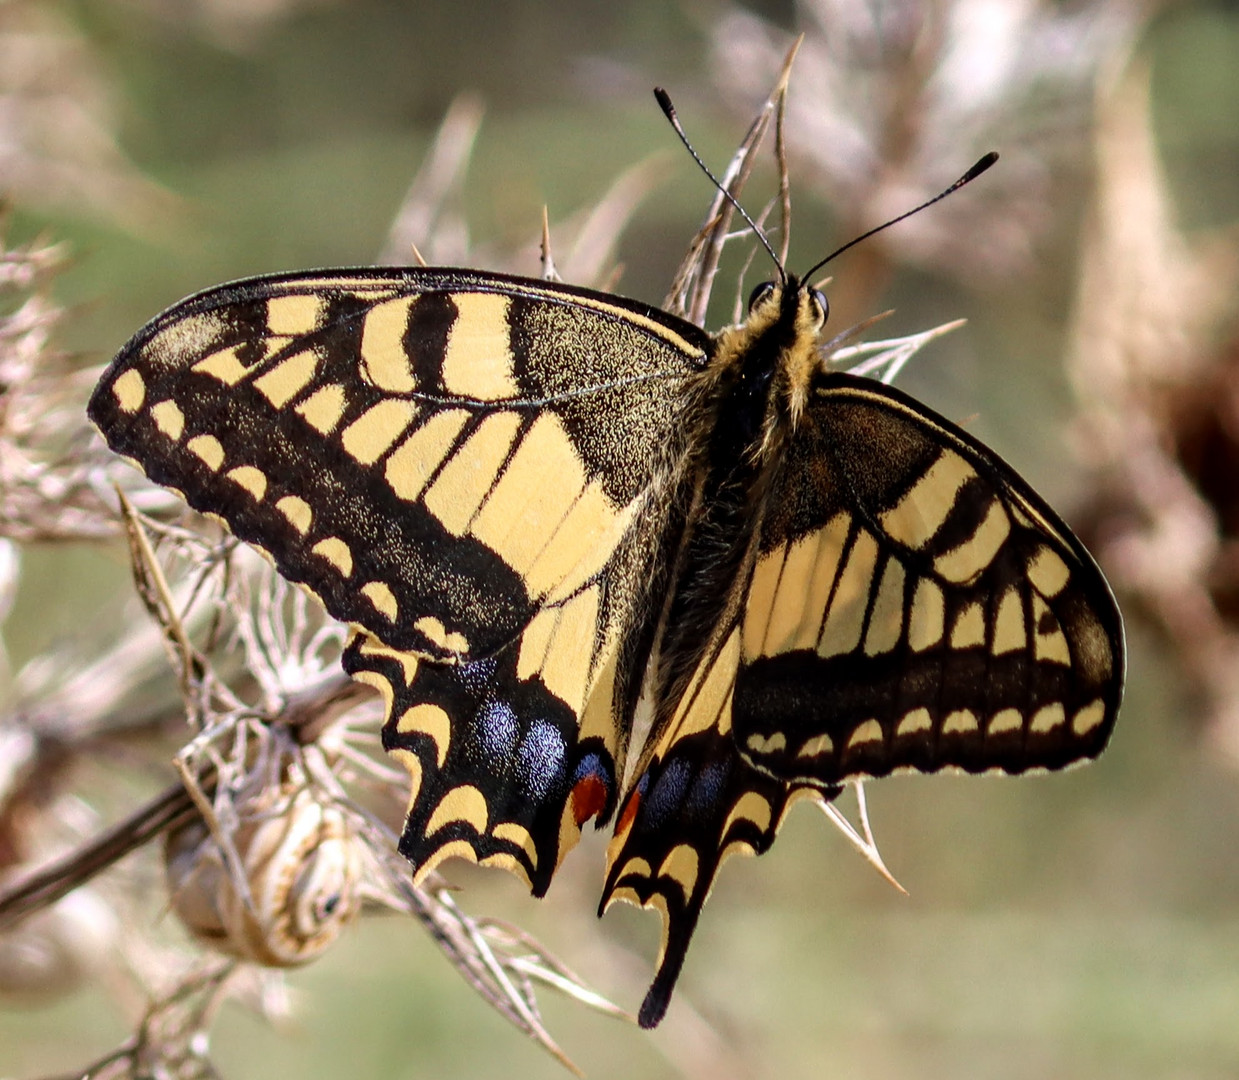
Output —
(893, 97)
(46, 486)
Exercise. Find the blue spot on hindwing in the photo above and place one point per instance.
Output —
(707, 791)
(540, 758)
(497, 731)
(477, 675)
(667, 794)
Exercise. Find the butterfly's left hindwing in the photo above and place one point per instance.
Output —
(915, 605)
(510, 755)
(504, 771)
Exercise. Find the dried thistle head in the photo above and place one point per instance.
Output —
(47, 488)
(1153, 363)
(894, 97)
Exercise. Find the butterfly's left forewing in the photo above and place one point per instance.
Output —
(435, 454)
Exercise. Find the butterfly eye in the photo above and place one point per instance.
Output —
(759, 293)
(823, 305)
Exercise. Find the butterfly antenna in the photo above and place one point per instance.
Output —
(967, 178)
(664, 103)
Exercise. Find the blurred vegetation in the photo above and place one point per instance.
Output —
(1077, 925)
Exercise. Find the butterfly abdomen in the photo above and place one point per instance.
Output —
(748, 412)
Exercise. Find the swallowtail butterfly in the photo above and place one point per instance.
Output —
(546, 510)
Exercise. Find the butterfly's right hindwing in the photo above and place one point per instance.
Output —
(438, 455)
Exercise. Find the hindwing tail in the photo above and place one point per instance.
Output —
(695, 802)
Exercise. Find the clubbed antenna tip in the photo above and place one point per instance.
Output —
(664, 103)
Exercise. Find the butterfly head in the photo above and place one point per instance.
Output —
(781, 335)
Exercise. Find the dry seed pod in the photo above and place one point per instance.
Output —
(303, 866)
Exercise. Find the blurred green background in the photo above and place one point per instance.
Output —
(1076, 925)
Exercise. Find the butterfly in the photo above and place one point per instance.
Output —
(604, 566)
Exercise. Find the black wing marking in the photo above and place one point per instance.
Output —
(501, 773)
(437, 455)
(916, 605)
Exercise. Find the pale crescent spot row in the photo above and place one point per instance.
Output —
(1004, 721)
(681, 866)
(129, 389)
(296, 511)
(336, 552)
(208, 449)
(439, 635)
(958, 722)
(518, 835)
(750, 807)
(771, 744)
(251, 479)
(914, 723)
(465, 803)
(409, 662)
(169, 419)
(384, 600)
